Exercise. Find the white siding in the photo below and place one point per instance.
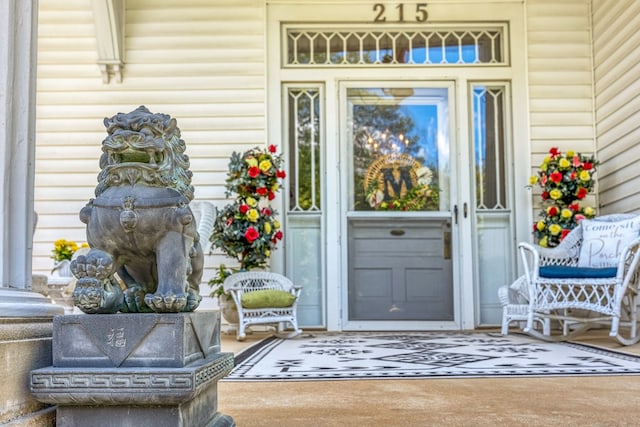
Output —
(616, 44)
(560, 78)
(202, 62)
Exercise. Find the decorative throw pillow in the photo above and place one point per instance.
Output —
(603, 241)
(267, 298)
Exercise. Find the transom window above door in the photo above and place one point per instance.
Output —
(362, 46)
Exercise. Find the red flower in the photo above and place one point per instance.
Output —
(545, 195)
(554, 152)
(573, 175)
(272, 148)
(564, 233)
(244, 209)
(281, 174)
(266, 211)
(581, 193)
(253, 171)
(576, 161)
(251, 234)
(229, 221)
(553, 211)
(271, 195)
(556, 177)
(262, 191)
(574, 207)
(278, 235)
(587, 166)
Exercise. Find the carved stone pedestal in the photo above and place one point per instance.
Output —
(137, 370)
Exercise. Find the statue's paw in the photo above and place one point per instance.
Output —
(169, 303)
(193, 301)
(96, 263)
(134, 300)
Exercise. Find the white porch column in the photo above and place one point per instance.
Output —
(18, 43)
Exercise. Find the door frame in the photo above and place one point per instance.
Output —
(511, 12)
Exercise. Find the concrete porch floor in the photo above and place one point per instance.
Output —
(566, 401)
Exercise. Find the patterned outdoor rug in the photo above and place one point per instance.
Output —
(371, 355)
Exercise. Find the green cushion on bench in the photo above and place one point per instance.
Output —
(564, 272)
(267, 298)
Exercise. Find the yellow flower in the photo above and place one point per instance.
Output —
(588, 211)
(383, 205)
(267, 253)
(564, 163)
(585, 176)
(252, 162)
(265, 165)
(275, 187)
(251, 202)
(555, 194)
(566, 213)
(543, 166)
(533, 179)
(276, 224)
(267, 228)
(543, 242)
(540, 225)
(570, 154)
(253, 215)
(555, 229)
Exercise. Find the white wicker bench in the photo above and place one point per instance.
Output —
(248, 285)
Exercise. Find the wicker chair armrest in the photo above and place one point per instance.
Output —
(504, 295)
(629, 262)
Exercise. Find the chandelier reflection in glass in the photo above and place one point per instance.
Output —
(384, 142)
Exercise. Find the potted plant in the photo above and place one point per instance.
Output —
(247, 229)
(565, 179)
(63, 251)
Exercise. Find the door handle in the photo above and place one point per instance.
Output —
(465, 211)
(455, 214)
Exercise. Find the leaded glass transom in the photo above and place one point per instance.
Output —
(415, 46)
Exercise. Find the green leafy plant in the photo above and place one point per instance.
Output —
(565, 179)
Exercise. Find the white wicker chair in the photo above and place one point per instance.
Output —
(205, 215)
(580, 303)
(243, 283)
(515, 306)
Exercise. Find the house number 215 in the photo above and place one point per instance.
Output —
(420, 13)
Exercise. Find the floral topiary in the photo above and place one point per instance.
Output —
(247, 229)
(565, 179)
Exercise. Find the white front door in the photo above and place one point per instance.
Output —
(398, 140)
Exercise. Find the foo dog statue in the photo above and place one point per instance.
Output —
(145, 253)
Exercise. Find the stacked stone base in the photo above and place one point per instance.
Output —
(135, 370)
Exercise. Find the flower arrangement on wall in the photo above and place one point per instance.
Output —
(247, 229)
(565, 179)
